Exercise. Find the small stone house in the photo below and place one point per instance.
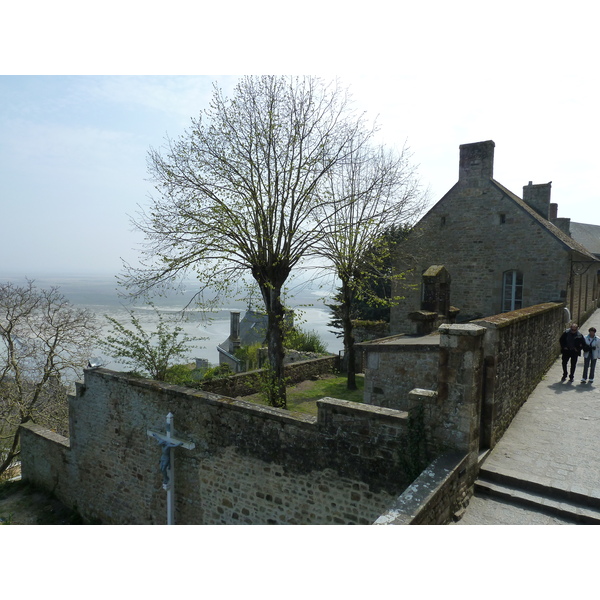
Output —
(482, 250)
(252, 329)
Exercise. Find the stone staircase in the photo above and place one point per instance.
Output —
(570, 505)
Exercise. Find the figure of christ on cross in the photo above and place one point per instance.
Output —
(168, 444)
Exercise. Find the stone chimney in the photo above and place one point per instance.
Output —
(234, 331)
(538, 197)
(476, 163)
(564, 224)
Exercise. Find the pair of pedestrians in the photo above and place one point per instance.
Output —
(572, 342)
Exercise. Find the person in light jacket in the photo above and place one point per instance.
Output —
(592, 350)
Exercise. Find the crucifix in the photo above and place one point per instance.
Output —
(167, 462)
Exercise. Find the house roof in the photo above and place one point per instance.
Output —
(253, 329)
(587, 235)
(570, 242)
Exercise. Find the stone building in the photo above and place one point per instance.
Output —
(482, 250)
(252, 329)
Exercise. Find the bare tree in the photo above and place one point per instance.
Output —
(373, 191)
(43, 340)
(239, 192)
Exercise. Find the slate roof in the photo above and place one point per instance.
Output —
(253, 329)
(587, 235)
(571, 242)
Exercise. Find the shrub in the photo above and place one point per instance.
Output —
(305, 341)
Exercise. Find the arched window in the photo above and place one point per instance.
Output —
(512, 291)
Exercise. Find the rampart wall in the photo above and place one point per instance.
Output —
(487, 370)
(251, 464)
(519, 348)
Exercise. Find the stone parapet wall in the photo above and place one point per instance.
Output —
(45, 458)
(251, 464)
(442, 491)
(519, 348)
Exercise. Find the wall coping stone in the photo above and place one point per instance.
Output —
(462, 329)
(46, 433)
(403, 343)
(422, 490)
(505, 319)
(210, 398)
(367, 409)
(423, 393)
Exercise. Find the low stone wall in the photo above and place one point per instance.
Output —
(394, 366)
(245, 384)
(442, 491)
(251, 464)
(46, 454)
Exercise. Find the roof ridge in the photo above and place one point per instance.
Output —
(553, 229)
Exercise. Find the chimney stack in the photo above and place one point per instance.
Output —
(234, 331)
(538, 197)
(476, 163)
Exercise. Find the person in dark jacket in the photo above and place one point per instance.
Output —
(571, 344)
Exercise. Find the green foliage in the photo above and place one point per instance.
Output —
(372, 286)
(305, 341)
(182, 375)
(217, 372)
(249, 356)
(273, 389)
(151, 353)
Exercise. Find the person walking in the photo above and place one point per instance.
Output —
(590, 354)
(571, 344)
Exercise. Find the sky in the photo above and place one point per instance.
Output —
(76, 126)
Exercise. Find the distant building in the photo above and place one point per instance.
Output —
(482, 250)
(252, 329)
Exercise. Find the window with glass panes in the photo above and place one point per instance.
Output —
(512, 297)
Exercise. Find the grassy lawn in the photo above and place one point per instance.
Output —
(303, 396)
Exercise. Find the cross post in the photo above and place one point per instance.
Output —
(167, 462)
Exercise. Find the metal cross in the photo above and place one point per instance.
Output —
(167, 462)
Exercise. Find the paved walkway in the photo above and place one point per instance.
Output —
(546, 467)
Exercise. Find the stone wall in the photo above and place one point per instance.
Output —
(519, 348)
(437, 496)
(245, 384)
(394, 366)
(487, 370)
(251, 464)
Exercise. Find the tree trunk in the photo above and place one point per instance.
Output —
(275, 387)
(349, 350)
(12, 453)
